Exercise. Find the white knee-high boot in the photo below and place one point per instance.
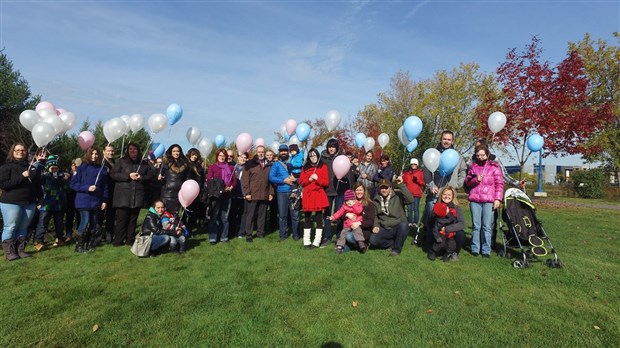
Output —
(307, 241)
(317, 237)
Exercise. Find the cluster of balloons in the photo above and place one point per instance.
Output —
(295, 133)
(188, 192)
(409, 132)
(361, 140)
(445, 162)
(46, 122)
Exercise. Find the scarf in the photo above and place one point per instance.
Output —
(226, 172)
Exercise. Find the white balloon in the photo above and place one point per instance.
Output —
(69, 119)
(384, 139)
(431, 158)
(294, 140)
(125, 118)
(43, 133)
(369, 143)
(158, 122)
(332, 120)
(402, 136)
(46, 112)
(29, 118)
(114, 129)
(497, 121)
(136, 122)
(205, 146)
(275, 146)
(193, 135)
(55, 122)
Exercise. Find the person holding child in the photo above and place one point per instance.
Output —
(352, 211)
(443, 241)
(153, 225)
(314, 179)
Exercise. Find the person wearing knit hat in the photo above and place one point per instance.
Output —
(52, 205)
(351, 205)
(443, 241)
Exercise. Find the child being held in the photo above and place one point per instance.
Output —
(177, 231)
(297, 160)
(443, 216)
(352, 211)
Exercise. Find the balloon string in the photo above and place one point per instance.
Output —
(144, 153)
(122, 144)
(404, 155)
(100, 168)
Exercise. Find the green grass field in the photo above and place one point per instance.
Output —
(271, 294)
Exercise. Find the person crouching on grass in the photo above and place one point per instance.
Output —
(153, 225)
(176, 230)
(352, 211)
(443, 216)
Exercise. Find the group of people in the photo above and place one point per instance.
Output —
(369, 207)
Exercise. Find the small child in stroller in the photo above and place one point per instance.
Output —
(443, 241)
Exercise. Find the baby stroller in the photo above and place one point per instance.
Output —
(524, 231)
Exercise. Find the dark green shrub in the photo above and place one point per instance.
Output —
(589, 183)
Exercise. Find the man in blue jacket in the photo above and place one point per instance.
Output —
(280, 175)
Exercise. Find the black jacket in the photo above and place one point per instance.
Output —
(175, 174)
(17, 189)
(130, 193)
(152, 224)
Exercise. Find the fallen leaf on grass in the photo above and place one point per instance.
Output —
(429, 311)
(596, 327)
(95, 328)
(457, 293)
(354, 304)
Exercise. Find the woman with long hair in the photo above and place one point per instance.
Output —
(172, 175)
(369, 213)
(196, 172)
(220, 206)
(314, 179)
(90, 184)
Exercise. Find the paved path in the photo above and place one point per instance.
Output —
(550, 202)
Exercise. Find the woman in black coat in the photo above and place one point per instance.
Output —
(172, 176)
(132, 175)
(196, 172)
(21, 189)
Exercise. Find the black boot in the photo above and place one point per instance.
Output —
(9, 249)
(181, 247)
(21, 246)
(90, 241)
(79, 244)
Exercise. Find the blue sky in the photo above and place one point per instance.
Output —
(248, 66)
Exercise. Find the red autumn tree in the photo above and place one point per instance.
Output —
(538, 98)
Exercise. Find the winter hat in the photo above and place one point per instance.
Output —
(293, 147)
(414, 161)
(349, 195)
(283, 147)
(51, 162)
(440, 209)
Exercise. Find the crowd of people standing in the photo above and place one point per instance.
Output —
(370, 206)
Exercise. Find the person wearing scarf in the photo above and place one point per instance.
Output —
(220, 207)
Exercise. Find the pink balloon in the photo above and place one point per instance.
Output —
(243, 142)
(259, 142)
(86, 139)
(290, 125)
(341, 166)
(44, 105)
(60, 111)
(188, 193)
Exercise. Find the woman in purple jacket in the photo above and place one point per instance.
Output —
(90, 184)
(486, 184)
(220, 206)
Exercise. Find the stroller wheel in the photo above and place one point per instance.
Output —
(558, 263)
(518, 264)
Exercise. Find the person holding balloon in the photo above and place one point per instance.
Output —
(385, 170)
(486, 188)
(280, 175)
(220, 206)
(195, 172)
(21, 189)
(107, 217)
(172, 175)
(90, 184)
(314, 179)
(152, 225)
(132, 175)
(414, 179)
(366, 172)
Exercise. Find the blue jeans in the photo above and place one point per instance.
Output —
(158, 241)
(284, 207)
(88, 220)
(218, 223)
(44, 220)
(391, 238)
(482, 220)
(413, 209)
(335, 202)
(16, 219)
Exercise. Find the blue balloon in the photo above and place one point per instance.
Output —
(219, 140)
(302, 131)
(412, 127)
(448, 161)
(158, 149)
(360, 138)
(174, 113)
(412, 145)
(535, 142)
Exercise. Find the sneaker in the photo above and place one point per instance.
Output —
(486, 256)
(394, 253)
(362, 246)
(39, 246)
(454, 257)
(431, 256)
(339, 250)
(212, 242)
(59, 242)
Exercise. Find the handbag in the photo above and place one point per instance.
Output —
(142, 245)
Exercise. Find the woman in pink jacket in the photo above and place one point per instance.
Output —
(486, 184)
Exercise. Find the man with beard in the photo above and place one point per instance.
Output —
(435, 182)
(280, 175)
(258, 193)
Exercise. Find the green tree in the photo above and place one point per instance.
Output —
(14, 98)
(602, 65)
